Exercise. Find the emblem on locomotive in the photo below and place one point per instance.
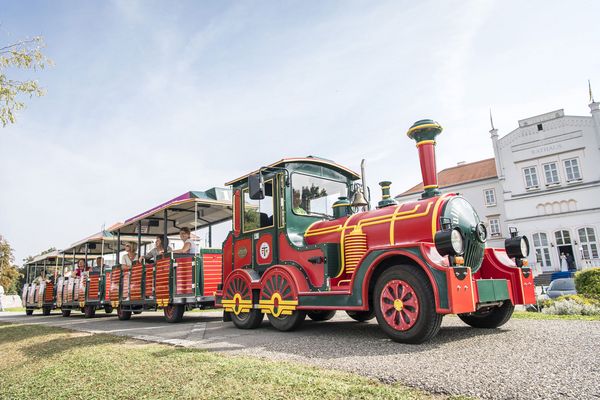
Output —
(407, 265)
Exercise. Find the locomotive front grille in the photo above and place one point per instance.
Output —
(473, 253)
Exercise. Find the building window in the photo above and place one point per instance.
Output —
(540, 127)
(551, 173)
(572, 170)
(542, 252)
(490, 197)
(589, 247)
(494, 224)
(563, 238)
(531, 180)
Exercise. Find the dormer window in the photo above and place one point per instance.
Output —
(540, 127)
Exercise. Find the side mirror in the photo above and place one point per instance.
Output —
(256, 186)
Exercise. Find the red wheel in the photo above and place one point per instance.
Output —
(399, 304)
(279, 299)
(237, 300)
(405, 305)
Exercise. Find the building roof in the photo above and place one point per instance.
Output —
(464, 173)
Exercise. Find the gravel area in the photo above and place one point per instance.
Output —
(525, 359)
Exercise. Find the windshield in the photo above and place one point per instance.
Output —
(315, 196)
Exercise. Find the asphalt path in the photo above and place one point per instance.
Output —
(525, 359)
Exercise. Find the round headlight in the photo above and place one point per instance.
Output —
(457, 241)
(524, 246)
(449, 242)
(517, 247)
(481, 232)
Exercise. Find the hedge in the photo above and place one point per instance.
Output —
(587, 283)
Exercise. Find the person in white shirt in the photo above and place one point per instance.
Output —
(129, 256)
(188, 244)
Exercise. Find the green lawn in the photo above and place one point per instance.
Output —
(15, 309)
(46, 362)
(538, 315)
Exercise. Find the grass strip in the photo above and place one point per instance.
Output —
(47, 362)
(539, 315)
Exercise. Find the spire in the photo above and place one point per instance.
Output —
(590, 90)
(493, 131)
(492, 120)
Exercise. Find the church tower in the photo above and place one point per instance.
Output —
(494, 136)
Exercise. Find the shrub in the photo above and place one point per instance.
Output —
(571, 307)
(587, 283)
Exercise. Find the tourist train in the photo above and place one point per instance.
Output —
(304, 241)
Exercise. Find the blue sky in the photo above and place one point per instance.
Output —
(150, 99)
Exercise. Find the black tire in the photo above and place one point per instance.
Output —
(137, 312)
(174, 312)
(46, 310)
(122, 314)
(427, 321)
(89, 311)
(66, 313)
(489, 319)
(324, 315)
(286, 323)
(361, 316)
(247, 320)
(29, 311)
(108, 309)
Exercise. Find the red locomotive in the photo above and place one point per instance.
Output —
(300, 247)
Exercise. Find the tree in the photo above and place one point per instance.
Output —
(9, 273)
(25, 54)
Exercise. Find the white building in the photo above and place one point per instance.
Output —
(478, 182)
(546, 182)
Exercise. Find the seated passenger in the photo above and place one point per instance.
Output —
(297, 204)
(188, 245)
(79, 269)
(99, 265)
(158, 249)
(129, 256)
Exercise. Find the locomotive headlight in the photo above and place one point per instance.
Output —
(449, 242)
(517, 247)
(481, 232)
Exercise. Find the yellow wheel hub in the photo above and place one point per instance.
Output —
(398, 305)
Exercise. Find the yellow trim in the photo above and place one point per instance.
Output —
(341, 205)
(422, 142)
(241, 306)
(421, 127)
(386, 196)
(435, 211)
(385, 187)
(285, 307)
(430, 187)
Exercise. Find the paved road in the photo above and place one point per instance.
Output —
(525, 359)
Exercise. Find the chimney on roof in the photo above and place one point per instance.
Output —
(424, 133)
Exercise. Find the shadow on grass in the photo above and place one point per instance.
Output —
(59, 345)
(13, 333)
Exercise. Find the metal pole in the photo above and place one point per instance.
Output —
(165, 238)
(139, 249)
(102, 255)
(117, 262)
(210, 236)
(195, 219)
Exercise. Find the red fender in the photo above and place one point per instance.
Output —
(417, 261)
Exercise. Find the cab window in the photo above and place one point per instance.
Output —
(315, 196)
(258, 214)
